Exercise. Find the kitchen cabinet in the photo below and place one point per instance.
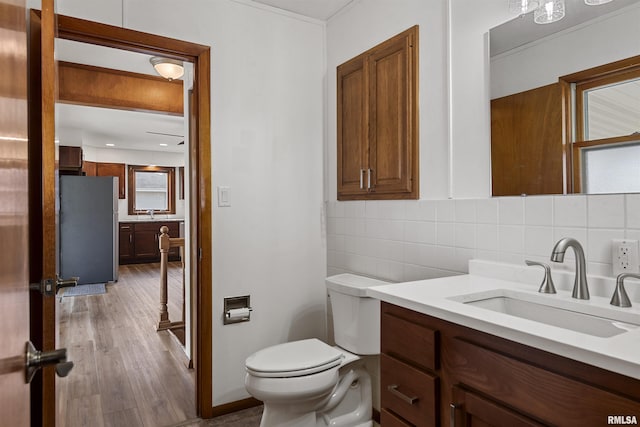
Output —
(437, 373)
(139, 241)
(89, 168)
(378, 121)
(114, 169)
(70, 160)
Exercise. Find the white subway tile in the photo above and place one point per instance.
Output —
(488, 255)
(462, 257)
(487, 237)
(570, 211)
(487, 211)
(390, 250)
(336, 209)
(420, 231)
(390, 270)
(599, 269)
(632, 234)
(465, 210)
(511, 239)
(445, 233)
(600, 244)
(538, 241)
(354, 226)
(392, 209)
(446, 210)
(371, 209)
(354, 209)
(511, 258)
(605, 211)
(411, 253)
(465, 235)
(335, 243)
(538, 210)
(444, 257)
(633, 211)
(511, 210)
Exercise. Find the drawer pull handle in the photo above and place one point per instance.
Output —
(452, 416)
(393, 388)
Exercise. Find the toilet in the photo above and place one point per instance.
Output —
(309, 383)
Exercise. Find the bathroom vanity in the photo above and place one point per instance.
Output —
(446, 362)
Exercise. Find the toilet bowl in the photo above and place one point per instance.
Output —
(309, 383)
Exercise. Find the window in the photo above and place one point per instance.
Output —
(606, 121)
(151, 188)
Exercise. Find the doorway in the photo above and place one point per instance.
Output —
(198, 176)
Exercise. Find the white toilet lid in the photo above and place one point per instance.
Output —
(293, 359)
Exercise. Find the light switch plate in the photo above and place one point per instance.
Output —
(223, 196)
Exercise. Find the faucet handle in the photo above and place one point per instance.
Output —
(620, 297)
(547, 286)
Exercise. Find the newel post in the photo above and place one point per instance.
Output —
(164, 244)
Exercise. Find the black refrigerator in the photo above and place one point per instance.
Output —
(88, 231)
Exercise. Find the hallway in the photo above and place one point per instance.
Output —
(125, 373)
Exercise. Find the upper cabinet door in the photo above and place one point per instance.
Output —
(378, 121)
(393, 143)
(352, 127)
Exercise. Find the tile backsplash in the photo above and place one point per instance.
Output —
(420, 239)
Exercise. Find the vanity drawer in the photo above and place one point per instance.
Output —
(409, 341)
(408, 392)
(387, 419)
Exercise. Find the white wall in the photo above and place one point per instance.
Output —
(363, 25)
(267, 145)
(541, 63)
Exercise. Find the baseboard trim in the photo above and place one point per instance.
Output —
(238, 405)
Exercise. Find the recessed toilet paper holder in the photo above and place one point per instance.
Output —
(237, 309)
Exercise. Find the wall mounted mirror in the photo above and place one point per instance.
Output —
(526, 57)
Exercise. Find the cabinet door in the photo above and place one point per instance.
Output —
(526, 142)
(471, 410)
(145, 241)
(89, 168)
(70, 157)
(126, 254)
(393, 147)
(113, 169)
(352, 128)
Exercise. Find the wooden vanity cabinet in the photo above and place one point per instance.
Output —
(456, 376)
(139, 241)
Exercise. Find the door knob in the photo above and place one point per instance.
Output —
(66, 283)
(37, 359)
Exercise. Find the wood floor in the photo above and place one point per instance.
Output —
(126, 374)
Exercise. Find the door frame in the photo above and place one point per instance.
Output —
(81, 30)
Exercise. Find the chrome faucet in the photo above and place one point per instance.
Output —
(580, 288)
(620, 297)
(151, 212)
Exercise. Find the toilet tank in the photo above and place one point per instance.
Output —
(356, 317)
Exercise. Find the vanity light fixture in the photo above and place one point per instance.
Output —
(170, 69)
(522, 7)
(550, 11)
(595, 2)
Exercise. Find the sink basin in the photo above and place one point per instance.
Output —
(587, 319)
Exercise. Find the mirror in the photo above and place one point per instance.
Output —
(526, 56)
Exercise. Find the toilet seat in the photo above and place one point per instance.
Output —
(294, 359)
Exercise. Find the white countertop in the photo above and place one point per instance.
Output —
(619, 353)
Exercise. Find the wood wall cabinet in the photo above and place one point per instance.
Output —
(526, 143)
(436, 373)
(139, 241)
(89, 168)
(70, 159)
(378, 121)
(114, 169)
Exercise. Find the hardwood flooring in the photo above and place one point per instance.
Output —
(126, 374)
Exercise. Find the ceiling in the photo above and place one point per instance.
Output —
(79, 125)
(318, 9)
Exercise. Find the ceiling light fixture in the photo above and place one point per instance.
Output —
(522, 7)
(596, 2)
(108, 144)
(170, 69)
(164, 145)
(550, 11)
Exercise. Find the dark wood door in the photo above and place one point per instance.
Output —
(42, 204)
(526, 142)
(14, 293)
(146, 241)
(391, 108)
(352, 128)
